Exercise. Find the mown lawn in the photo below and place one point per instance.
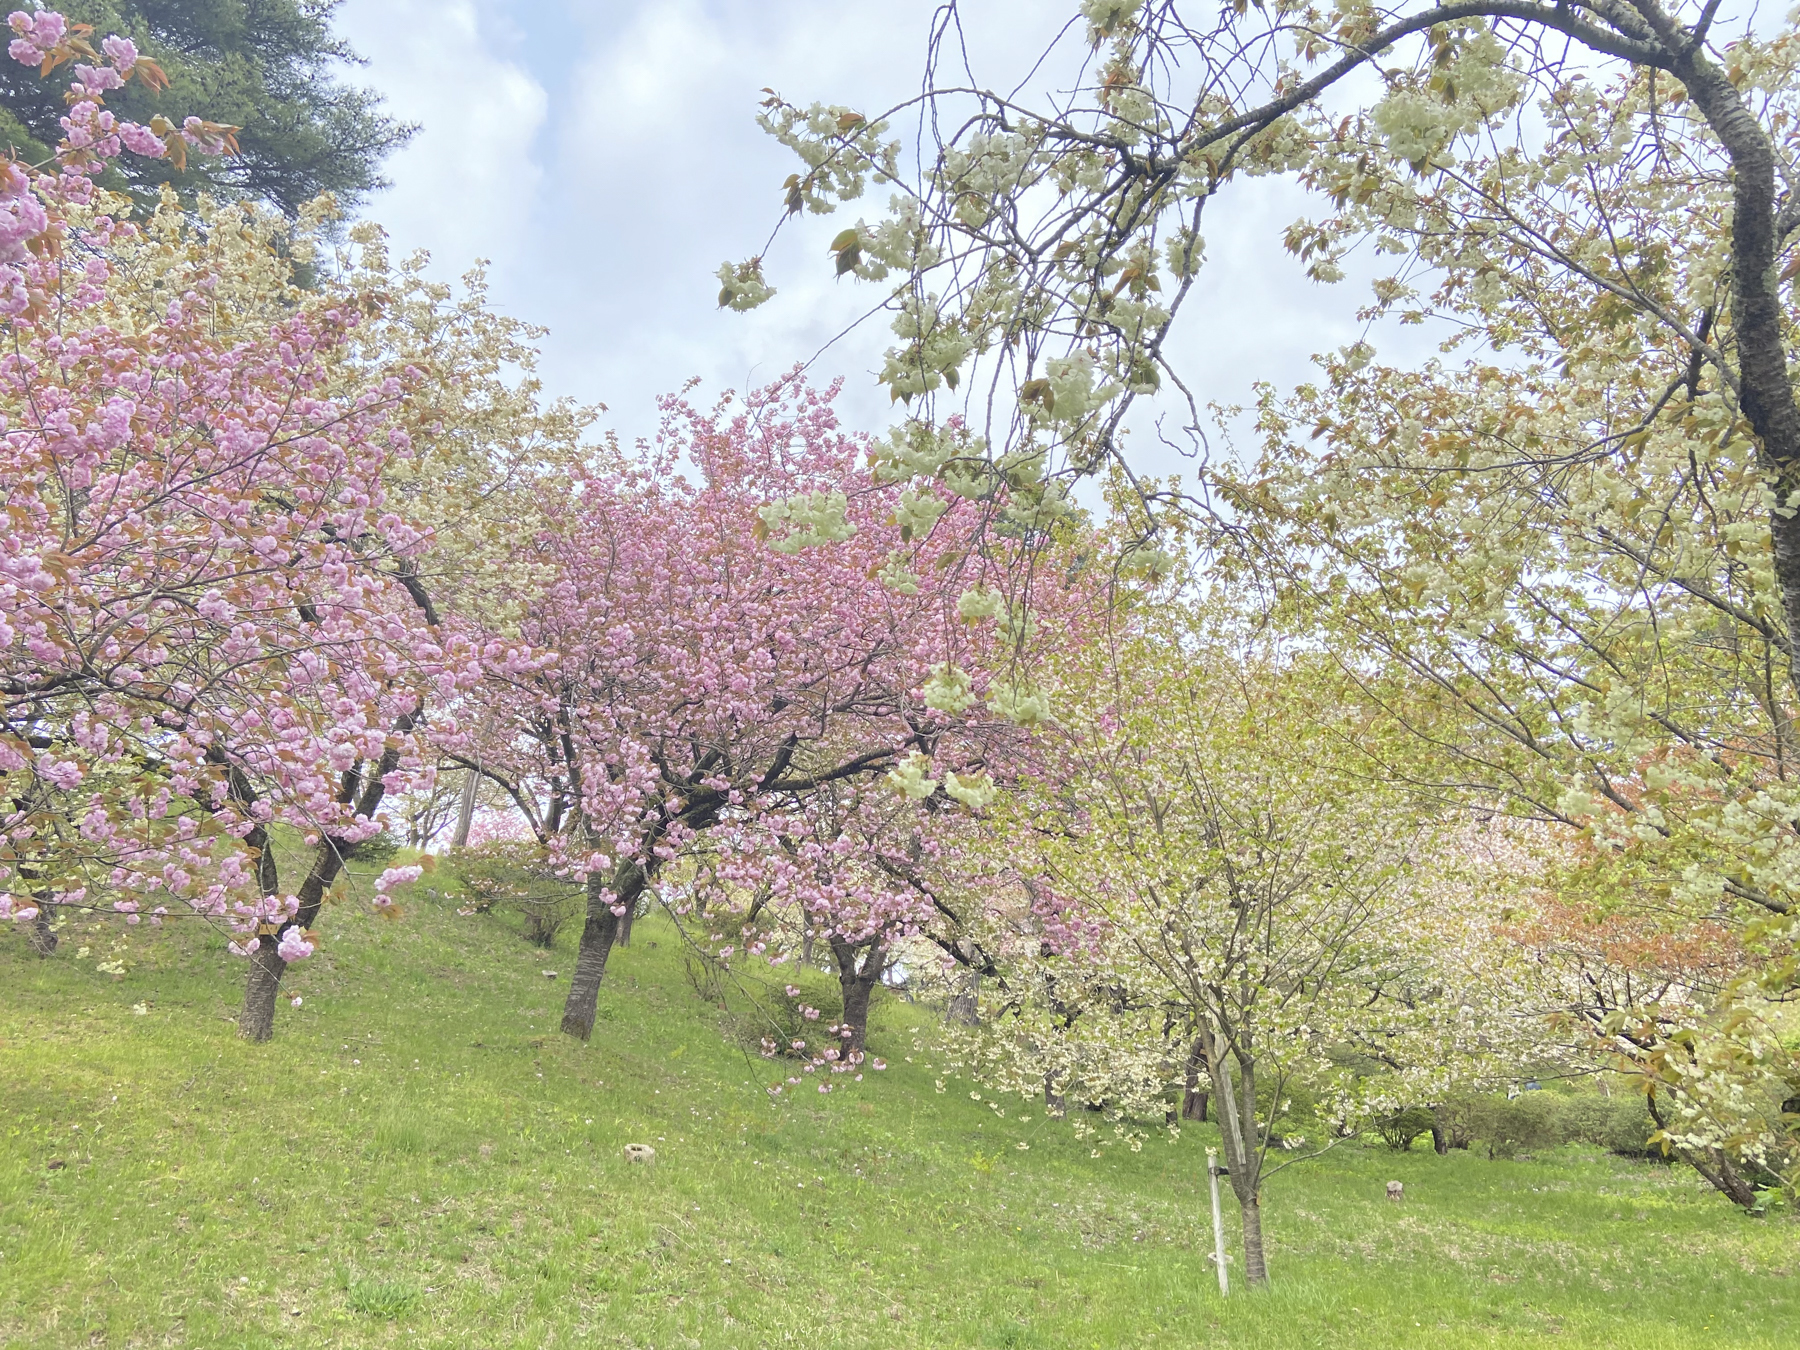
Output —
(419, 1159)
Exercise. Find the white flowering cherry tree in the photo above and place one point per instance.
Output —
(1037, 255)
(1584, 537)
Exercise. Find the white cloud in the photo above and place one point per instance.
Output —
(653, 172)
(466, 185)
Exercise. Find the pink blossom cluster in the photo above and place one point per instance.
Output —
(204, 631)
(680, 687)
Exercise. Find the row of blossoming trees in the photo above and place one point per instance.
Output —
(275, 555)
(266, 572)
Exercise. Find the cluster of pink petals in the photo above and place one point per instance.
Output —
(200, 620)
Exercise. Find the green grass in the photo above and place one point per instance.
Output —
(419, 1159)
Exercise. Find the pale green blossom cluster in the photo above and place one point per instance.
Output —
(975, 791)
(1020, 702)
(809, 519)
(978, 602)
(741, 285)
(949, 689)
(912, 778)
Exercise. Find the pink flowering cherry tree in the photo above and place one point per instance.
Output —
(211, 626)
(732, 632)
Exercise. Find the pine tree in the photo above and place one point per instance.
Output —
(267, 66)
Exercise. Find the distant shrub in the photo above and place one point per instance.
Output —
(377, 850)
(510, 877)
(1400, 1129)
(1456, 1119)
(1527, 1123)
(1620, 1124)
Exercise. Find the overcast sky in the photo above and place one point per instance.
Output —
(603, 155)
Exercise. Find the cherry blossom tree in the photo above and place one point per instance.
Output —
(1582, 538)
(1236, 886)
(747, 634)
(215, 624)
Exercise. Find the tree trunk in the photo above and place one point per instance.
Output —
(1714, 1165)
(1243, 1159)
(1193, 1096)
(43, 936)
(1053, 1100)
(1256, 1270)
(858, 984)
(364, 792)
(1766, 390)
(1722, 1175)
(1440, 1140)
(256, 1020)
(623, 937)
(965, 1003)
(597, 937)
(465, 810)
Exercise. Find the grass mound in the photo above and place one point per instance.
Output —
(420, 1159)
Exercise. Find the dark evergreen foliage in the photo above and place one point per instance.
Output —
(271, 67)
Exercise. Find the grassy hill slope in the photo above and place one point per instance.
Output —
(419, 1159)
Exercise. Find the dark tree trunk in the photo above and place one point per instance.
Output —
(364, 791)
(1440, 1140)
(1193, 1096)
(598, 935)
(858, 983)
(1722, 1175)
(1714, 1165)
(623, 938)
(256, 1020)
(1256, 1269)
(43, 936)
(965, 1003)
(1766, 389)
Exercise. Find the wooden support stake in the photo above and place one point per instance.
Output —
(1212, 1172)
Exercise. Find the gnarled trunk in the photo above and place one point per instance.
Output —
(256, 1020)
(598, 935)
(857, 981)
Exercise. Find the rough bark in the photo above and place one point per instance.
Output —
(256, 1019)
(43, 936)
(857, 980)
(623, 938)
(1256, 1269)
(598, 935)
(965, 1003)
(1440, 1140)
